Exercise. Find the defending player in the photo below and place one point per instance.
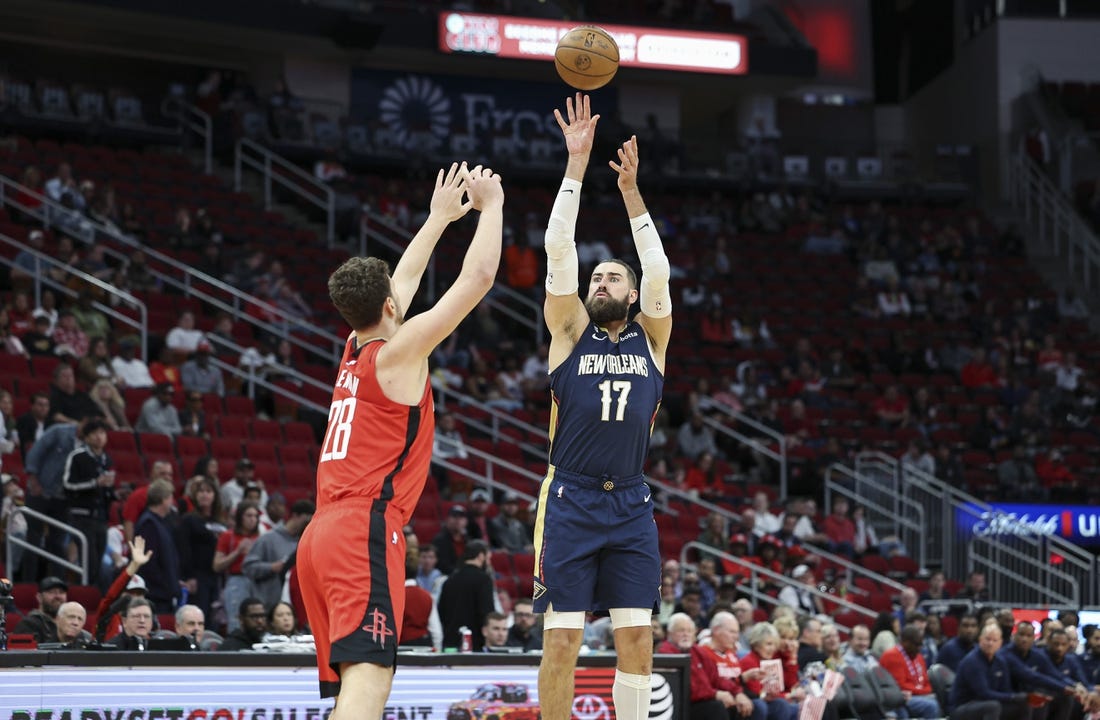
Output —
(375, 455)
(595, 537)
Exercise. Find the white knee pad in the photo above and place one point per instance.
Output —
(552, 620)
(630, 617)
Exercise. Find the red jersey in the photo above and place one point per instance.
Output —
(374, 448)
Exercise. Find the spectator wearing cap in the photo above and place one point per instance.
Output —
(158, 414)
(506, 531)
(131, 371)
(199, 375)
(467, 596)
(232, 490)
(271, 556)
(184, 338)
(127, 582)
(89, 482)
(39, 339)
(42, 621)
(477, 515)
(797, 595)
(450, 542)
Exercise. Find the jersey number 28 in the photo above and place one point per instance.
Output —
(622, 389)
(338, 435)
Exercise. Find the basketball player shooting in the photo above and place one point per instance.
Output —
(378, 445)
(595, 537)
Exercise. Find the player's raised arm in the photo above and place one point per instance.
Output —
(654, 295)
(565, 313)
(416, 338)
(446, 207)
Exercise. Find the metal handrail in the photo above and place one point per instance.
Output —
(514, 298)
(82, 568)
(198, 122)
(1053, 220)
(994, 550)
(48, 210)
(779, 456)
(257, 381)
(276, 169)
(756, 572)
(855, 497)
(41, 278)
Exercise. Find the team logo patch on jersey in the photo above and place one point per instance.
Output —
(540, 590)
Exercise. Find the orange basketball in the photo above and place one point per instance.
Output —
(587, 57)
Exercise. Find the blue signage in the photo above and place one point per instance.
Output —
(465, 116)
(1080, 524)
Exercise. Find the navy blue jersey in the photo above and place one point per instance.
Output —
(604, 396)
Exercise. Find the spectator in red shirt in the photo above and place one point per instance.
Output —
(906, 664)
(978, 373)
(1054, 473)
(892, 409)
(715, 328)
(702, 477)
(716, 676)
(840, 528)
(233, 546)
(1050, 358)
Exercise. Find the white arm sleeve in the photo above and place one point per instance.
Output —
(562, 268)
(656, 300)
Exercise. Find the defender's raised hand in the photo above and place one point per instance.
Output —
(483, 188)
(447, 199)
(627, 167)
(580, 130)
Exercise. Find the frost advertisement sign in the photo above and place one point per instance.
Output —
(461, 117)
(1077, 523)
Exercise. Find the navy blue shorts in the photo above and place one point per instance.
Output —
(595, 544)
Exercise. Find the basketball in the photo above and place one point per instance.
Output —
(587, 57)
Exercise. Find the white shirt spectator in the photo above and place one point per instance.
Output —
(1068, 377)
(133, 373)
(894, 303)
(766, 523)
(184, 340)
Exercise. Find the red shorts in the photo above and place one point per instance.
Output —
(351, 568)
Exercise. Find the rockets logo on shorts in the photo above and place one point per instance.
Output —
(379, 627)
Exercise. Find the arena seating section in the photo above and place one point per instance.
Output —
(801, 295)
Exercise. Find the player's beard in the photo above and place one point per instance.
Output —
(605, 310)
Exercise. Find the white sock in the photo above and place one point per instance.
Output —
(631, 696)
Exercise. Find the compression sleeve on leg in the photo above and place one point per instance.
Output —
(562, 267)
(655, 297)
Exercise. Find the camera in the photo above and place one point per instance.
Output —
(5, 591)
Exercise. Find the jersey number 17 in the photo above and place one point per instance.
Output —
(622, 390)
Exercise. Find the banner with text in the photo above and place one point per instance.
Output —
(644, 47)
(463, 116)
(193, 693)
(1077, 523)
